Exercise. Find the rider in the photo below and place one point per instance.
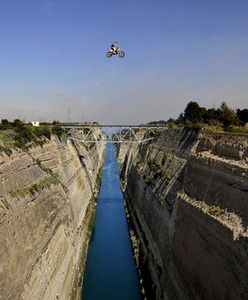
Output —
(114, 47)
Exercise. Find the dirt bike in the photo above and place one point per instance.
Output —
(118, 51)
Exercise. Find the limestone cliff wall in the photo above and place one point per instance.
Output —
(46, 202)
(187, 196)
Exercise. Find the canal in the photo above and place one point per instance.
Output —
(110, 272)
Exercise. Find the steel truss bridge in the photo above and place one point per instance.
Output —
(95, 133)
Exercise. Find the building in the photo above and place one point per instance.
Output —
(36, 123)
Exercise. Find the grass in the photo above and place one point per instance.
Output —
(215, 210)
(218, 128)
(213, 129)
(237, 129)
(36, 187)
(7, 139)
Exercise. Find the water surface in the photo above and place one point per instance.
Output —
(110, 272)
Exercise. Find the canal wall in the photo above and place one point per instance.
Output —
(186, 194)
(47, 197)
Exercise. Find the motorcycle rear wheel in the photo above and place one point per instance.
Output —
(109, 54)
(121, 54)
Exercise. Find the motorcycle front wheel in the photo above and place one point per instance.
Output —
(109, 54)
(121, 54)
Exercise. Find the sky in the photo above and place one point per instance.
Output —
(53, 64)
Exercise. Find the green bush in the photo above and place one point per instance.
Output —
(148, 179)
(24, 135)
(5, 124)
(215, 210)
(43, 131)
(157, 169)
(140, 167)
(19, 135)
(57, 129)
(6, 150)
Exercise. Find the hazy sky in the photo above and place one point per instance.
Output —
(53, 64)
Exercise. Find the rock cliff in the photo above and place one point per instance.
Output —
(46, 206)
(187, 199)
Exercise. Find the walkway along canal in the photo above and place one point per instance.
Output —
(110, 272)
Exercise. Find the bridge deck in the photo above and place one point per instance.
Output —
(111, 133)
(66, 125)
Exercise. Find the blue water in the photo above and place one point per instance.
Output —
(110, 272)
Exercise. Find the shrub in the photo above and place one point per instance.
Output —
(18, 123)
(5, 124)
(57, 129)
(24, 135)
(43, 130)
(148, 179)
(215, 210)
(140, 167)
(157, 169)
(6, 150)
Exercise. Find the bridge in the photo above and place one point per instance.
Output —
(98, 133)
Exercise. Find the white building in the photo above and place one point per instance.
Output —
(36, 123)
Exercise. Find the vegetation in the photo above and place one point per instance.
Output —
(216, 210)
(140, 167)
(17, 134)
(6, 150)
(148, 179)
(195, 114)
(92, 222)
(157, 169)
(90, 218)
(221, 119)
(57, 129)
(36, 187)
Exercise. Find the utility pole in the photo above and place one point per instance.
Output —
(69, 115)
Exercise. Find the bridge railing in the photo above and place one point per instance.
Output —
(98, 133)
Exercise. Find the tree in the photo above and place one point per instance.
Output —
(193, 112)
(242, 116)
(18, 123)
(5, 123)
(210, 115)
(180, 119)
(57, 129)
(23, 135)
(227, 116)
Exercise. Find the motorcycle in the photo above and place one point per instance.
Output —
(118, 51)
